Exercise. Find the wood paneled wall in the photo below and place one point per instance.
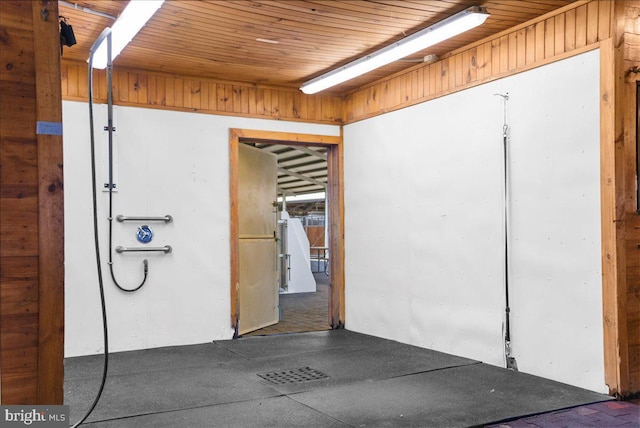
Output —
(154, 90)
(629, 45)
(569, 31)
(620, 216)
(31, 215)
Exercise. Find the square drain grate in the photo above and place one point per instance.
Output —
(303, 374)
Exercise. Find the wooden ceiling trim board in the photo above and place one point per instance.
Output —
(525, 6)
(490, 39)
(526, 24)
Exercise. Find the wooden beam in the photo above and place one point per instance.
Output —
(613, 221)
(286, 138)
(335, 201)
(51, 205)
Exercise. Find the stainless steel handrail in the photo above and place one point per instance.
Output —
(166, 249)
(166, 218)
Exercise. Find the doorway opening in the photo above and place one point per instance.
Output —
(305, 164)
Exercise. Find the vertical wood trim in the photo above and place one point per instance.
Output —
(50, 208)
(335, 158)
(336, 215)
(234, 228)
(613, 230)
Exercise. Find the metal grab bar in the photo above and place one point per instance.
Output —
(166, 249)
(166, 218)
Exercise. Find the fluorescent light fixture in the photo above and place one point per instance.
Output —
(130, 21)
(443, 30)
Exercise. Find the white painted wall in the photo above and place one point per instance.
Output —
(424, 223)
(168, 163)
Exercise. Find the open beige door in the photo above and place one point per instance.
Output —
(257, 191)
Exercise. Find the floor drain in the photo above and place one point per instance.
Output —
(304, 374)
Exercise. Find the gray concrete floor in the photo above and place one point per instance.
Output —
(368, 382)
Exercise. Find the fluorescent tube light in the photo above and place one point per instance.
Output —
(443, 30)
(128, 24)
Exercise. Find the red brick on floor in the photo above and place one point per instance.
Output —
(603, 414)
(302, 312)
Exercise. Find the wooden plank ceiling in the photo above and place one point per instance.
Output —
(284, 42)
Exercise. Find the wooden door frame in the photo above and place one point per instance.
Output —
(335, 200)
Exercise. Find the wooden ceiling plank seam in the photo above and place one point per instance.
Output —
(261, 48)
(252, 20)
(275, 19)
(235, 17)
(194, 33)
(355, 10)
(300, 20)
(179, 57)
(244, 58)
(420, 7)
(338, 10)
(437, 7)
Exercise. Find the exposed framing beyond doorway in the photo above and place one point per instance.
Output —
(335, 201)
